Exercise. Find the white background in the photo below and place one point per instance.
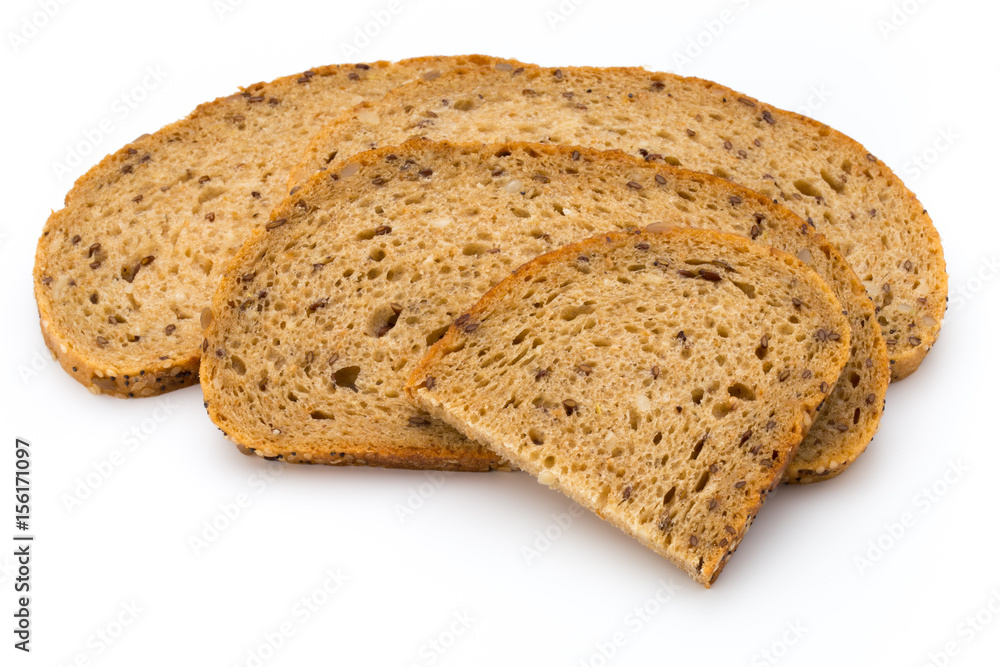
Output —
(924, 89)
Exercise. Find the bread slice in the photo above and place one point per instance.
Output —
(677, 428)
(319, 320)
(123, 272)
(828, 179)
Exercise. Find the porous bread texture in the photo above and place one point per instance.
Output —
(318, 321)
(828, 179)
(655, 410)
(124, 270)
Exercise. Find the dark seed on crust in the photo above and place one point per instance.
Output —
(584, 369)
(95, 265)
(656, 372)
(642, 246)
(418, 421)
(627, 492)
(730, 530)
(754, 232)
(740, 484)
(471, 328)
(681, 336)
(558, 74)
(540, 373)
(693, 541)
(806, 374)
(710, 276)
(274, 224)
(824, 387)
(768, 117)
(96, 247)
(744, 101)
(796, 302)
(746, 436)
(576, 155)
(46, 280)
(210, 217)
(914, 340)
(429, 382)
(316, 305)
(634, 185)
(714, 468)
(763, 341)
(660, 179)
(685, 273)
(728, 145)
(735, 200)
(102, 341)
(382, 230)
(255, 194)
(713, 503)
(170, 329)
(75, 239)
(690, 132)
(462, 320)
(204, 179)
(870, 398)
(570, 406)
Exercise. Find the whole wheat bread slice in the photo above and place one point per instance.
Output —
(677, 429)
(123, 272)
(319, 319)
(828, 179)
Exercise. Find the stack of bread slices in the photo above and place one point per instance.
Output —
(657, 295)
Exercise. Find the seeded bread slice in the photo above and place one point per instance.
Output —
(828, 179)
(318, 321)
(676, 430)
(123, 272)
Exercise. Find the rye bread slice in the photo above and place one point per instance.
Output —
(318, 320)
(123, 272)
(676, 430)
(828, 179)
